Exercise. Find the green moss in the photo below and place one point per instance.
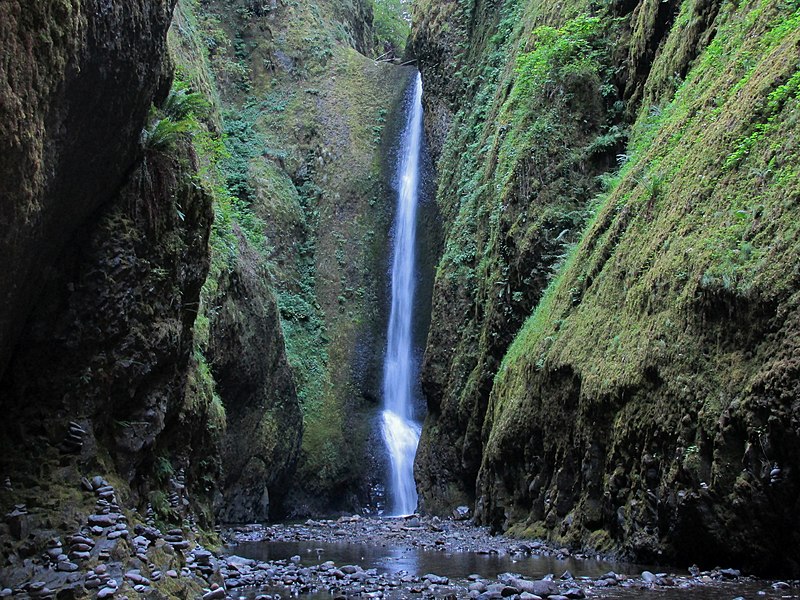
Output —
(687, 235)
(296, 170)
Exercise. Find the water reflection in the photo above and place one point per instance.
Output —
(408, 558)
(392, 559)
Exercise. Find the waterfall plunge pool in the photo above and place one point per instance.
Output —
(391, 563)
(426, 557)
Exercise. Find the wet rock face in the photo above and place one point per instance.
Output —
(109, 343)
(264, 424)
(660, 447)
(76, 84)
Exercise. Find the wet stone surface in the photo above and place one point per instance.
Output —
(388, 558)
(351, 557)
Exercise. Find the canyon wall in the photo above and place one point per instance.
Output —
(612, 360)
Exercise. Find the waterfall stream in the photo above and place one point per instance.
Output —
(400, 431)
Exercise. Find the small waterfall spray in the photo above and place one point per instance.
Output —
(400, 431)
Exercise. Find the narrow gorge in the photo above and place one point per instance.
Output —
(437, 280)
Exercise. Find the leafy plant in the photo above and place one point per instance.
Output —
(392, 22)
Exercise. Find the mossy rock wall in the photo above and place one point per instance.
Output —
(648, 404)
(309, 118)
(77, 80)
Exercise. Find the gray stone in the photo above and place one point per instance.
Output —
(216, 594)
(137, 578)
(781, 585)
(104, 520)
(18, 522)
(81, 547)
(120, 533)
(80, 539)
(106, 592)
(648, 577)
(461, 513)
(537, 588)
(350, 569)
(730, 573)
(67, 567)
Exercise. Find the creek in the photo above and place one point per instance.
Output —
(430, 558)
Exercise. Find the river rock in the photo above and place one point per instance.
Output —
(537, 588)
(730, 573)
(216, 594)
(67, 567)
(350, 569)
(103, 520)
(461, 513)
(780, 585)
(477, 586)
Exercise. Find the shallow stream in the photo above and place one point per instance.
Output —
(458, 566)
(455, 565)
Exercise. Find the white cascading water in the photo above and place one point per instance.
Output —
(400, 431)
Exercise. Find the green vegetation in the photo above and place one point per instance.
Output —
(295, 170)
(392, 24)
(606, 320)
(691, 240)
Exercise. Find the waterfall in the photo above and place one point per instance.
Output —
(400, 431)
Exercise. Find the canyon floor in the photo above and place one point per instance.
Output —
(421, 557)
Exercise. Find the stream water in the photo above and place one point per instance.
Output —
(400, 431)
(394, 560)
(455, 565)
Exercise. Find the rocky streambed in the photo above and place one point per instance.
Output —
(391, 558)
(117, 553)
